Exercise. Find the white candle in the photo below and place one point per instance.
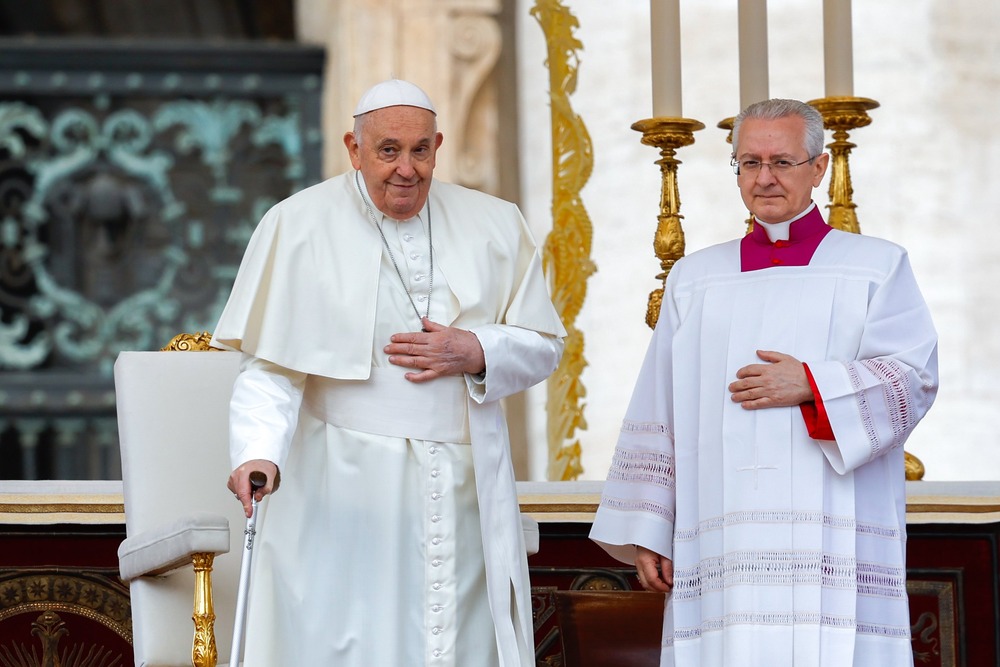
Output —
(753, 51)
(665, 37)
(838, 50)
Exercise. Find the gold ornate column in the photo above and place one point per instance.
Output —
(667, 134)
(566, 252)
(203, 649)
(842, 114)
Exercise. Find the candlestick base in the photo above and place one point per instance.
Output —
(842, 114)
(668, 134)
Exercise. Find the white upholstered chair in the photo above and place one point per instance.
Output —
(173, 421)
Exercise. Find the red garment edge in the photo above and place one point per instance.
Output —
(814, 413)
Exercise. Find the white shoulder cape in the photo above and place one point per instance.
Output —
(305, 294)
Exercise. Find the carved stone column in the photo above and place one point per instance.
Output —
(450, 48)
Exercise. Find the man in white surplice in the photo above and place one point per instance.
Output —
(758, 478)
(382, 317)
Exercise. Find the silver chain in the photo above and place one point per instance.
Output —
(385, 242)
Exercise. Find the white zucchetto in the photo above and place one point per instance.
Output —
(393, 93)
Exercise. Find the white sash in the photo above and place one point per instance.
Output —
(388, 404)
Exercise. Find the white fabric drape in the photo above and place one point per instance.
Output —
(379, 549)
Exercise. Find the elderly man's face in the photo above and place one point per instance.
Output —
(774, 196)
(396, 156)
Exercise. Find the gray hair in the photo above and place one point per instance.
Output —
(359, 126)
(778, 108)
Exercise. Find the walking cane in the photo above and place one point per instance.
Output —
(257, 480)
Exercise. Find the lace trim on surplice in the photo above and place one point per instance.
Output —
(777, 517)
(898, 395)
(638, 505)
(646, 428)
(880, 580)
(759, 618)
(787, 619)
(651, 467)
(764, 568)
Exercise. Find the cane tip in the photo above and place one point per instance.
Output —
(257, 479)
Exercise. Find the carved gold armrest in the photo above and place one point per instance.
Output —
(186, 342)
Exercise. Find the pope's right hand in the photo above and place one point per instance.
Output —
(239, 482)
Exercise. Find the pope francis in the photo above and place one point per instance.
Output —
(382, 315)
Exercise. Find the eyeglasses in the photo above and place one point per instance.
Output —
(777, 167)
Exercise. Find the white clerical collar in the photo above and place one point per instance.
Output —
(779, 231)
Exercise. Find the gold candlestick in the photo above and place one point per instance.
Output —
(842, 114)
(667, 134)
(728, 124)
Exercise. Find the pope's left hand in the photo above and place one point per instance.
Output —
(436, 351)
(780, 382)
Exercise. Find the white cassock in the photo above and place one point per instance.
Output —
(787, 550)
(372, 551)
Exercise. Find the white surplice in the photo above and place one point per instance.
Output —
(787, 550)
(394, 538)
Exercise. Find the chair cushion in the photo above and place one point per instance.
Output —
(171, 545)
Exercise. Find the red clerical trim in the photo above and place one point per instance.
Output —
(804, 236)
(814, 414)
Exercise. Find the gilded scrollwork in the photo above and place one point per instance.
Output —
(566, 252)
(186, 342)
